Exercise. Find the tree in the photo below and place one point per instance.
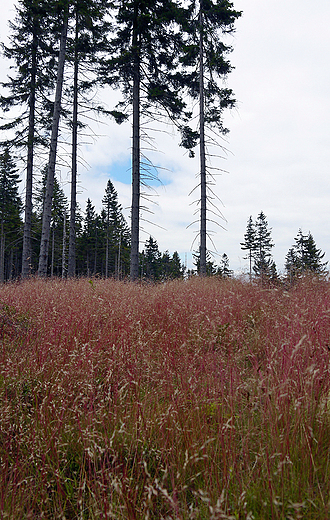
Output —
(204, 59)
(58, 224)
(249, 243)
(211, 268)
(263, 246)
(10, 209)
(47, 209)
(31, 50)
(291, 265)
(117, 232)
(143, 62)
(304, 257)
(176, 268)
(88, 239)
(90, 30)
(171, 266)
(224, 270)
(151, 260)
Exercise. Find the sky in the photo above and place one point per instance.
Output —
(276, 158)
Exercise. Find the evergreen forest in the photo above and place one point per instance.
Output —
(163, 57)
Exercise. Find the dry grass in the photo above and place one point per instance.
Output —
(204, 399)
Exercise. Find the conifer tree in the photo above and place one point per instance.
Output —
(304, 256)
(143, 63)
(176, 268)
(117, 232)
(211, 268)
(47, 209)
(88, 42)
(165, 262)
(224, 269)
(262, 253)
(88, 245)
(151, 260)
(10, 208)
(291, 264)
(249, 243)
(31, 49)
(204, 61)
(171, 266)
(58, 225)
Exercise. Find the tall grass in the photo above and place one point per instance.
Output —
(204, 399)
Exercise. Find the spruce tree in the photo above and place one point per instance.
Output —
(88, 42)
(291, 264)
(176, 268)
(117, 232)
(249, 243)
(313, 256)
(151, 260)
(204, 61)
(143, 63)
(90, 243)
(10, 209)
(47, 209)
(304, 256)
(262, 253)
(57, 259)
(91, 236)
(31, 50)
(224, 269)
(211, 268)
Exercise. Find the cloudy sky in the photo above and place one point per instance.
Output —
(276, 157)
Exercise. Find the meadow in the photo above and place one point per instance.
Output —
(198, 399)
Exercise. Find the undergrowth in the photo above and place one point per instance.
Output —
(199, 399)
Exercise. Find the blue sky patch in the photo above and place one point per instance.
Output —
(121, 171)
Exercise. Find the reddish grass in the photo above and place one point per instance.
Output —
(204, 399)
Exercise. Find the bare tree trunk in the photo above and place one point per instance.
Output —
(53, 252)
(202, 248)
(95, 252)
(47, 213)
(2, 253)
(73, 204)
(107, 254)
(119, 257)
(250, 259)
(135, 210)
(26, 254)
(63, 245)
(11, 264)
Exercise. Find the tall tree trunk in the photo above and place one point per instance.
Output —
(202, 248)
(119, 258)
(53, 252)
(73, 203)
(27, 250)
(107, 253)
(11, 264)
(135, 210)
(2, 253)
(47, 213)
(95, 253)
(63, 245)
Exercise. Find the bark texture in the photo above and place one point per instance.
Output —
(135, 211)
(27, 250)
(47, 210)
(202, 248)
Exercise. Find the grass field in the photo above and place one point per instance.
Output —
(199, 399)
